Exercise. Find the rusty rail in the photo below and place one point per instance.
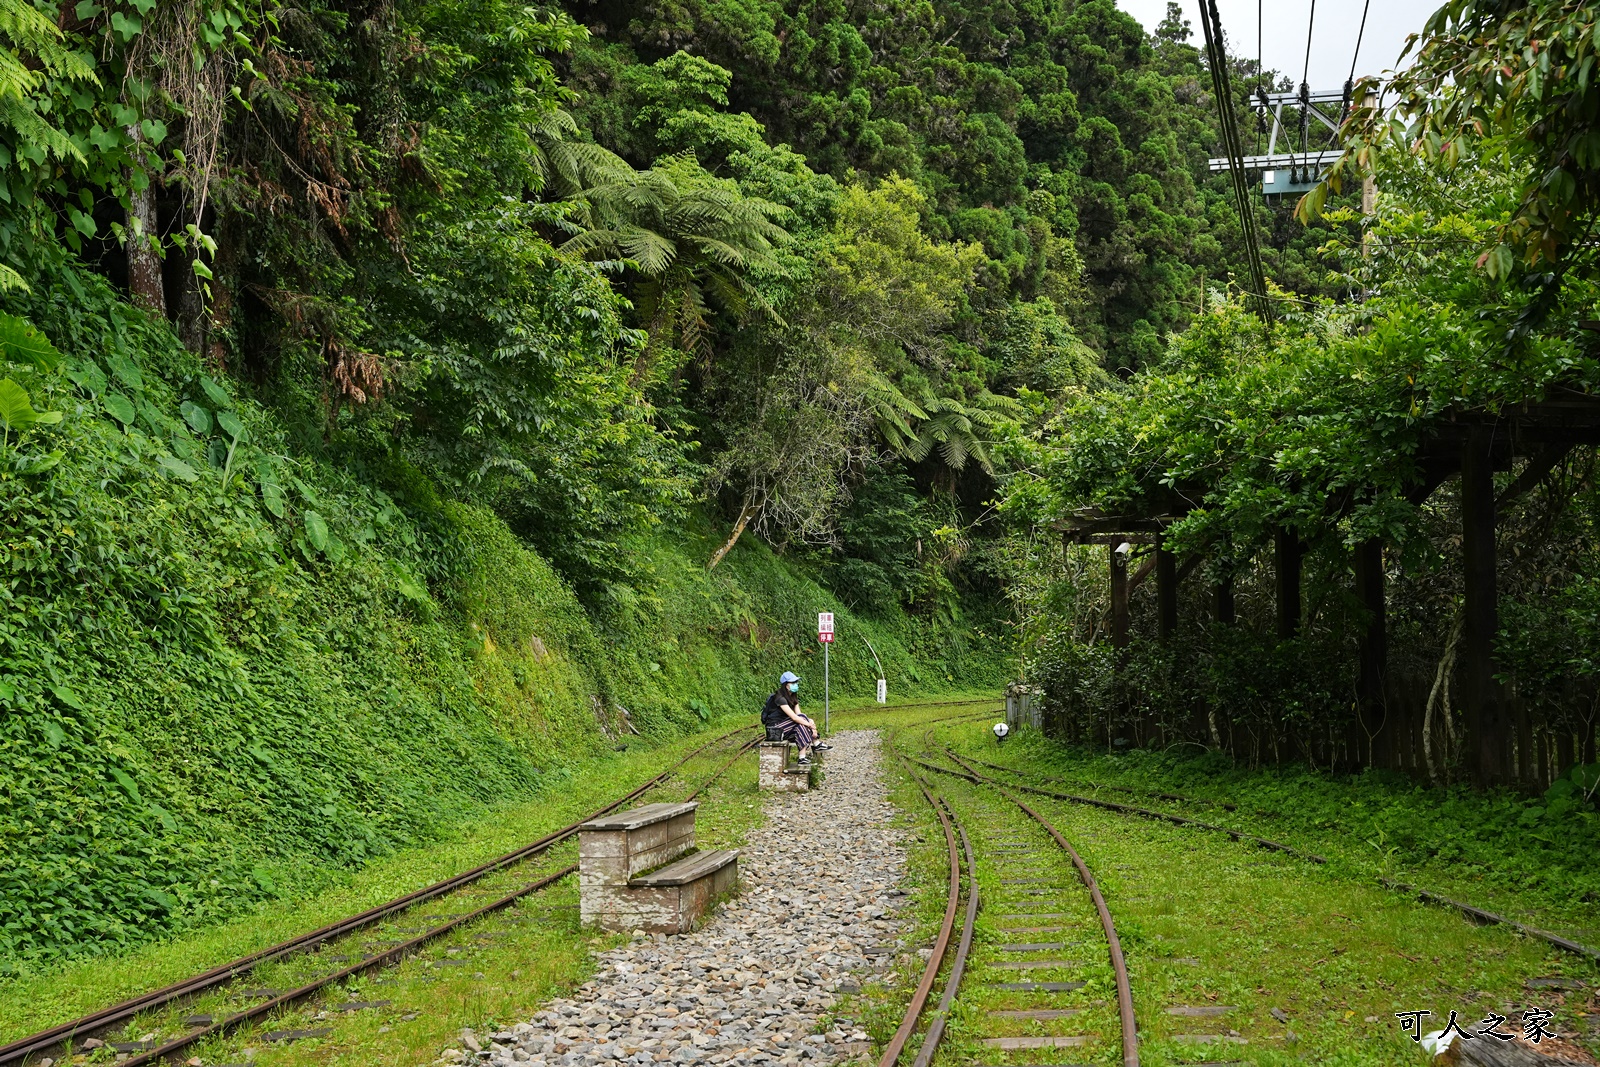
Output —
(1152, 793)
(919, 999)
(1132, 809)
(1490, 918)
(18, 1051)
(1119, 963)
(958, 966)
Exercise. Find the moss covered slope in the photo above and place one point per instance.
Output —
(230, 670)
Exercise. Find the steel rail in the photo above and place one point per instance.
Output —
(1119, 963)
(17, 1051)
(919, 999)
(958, 965)
(920, 704)
(1153, 793)
(720, 771)
(1131, 809)
(1490, 918)
(232, 1022)
(267, 1007)
(1427, 896)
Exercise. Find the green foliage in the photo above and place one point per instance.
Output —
(1058, 135)
(1513, 87)
(230, 670)
(692, 238)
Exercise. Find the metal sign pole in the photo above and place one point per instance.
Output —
(825, 635)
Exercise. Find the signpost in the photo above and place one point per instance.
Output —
(883, 683)
(883, 690)
(825, 635)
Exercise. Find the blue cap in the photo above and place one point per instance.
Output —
(787, 677)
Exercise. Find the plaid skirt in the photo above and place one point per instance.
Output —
(789, 730)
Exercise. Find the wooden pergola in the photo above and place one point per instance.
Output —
(1475, 444)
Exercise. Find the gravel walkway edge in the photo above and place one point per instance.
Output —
(819, 888)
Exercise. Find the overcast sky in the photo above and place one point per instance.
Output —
(1283, 32)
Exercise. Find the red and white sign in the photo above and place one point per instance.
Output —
(824, 622)
(826, 639)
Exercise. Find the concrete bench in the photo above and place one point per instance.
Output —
(637, 870)
(774, 771)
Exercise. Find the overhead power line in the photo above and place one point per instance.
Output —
(1350, 82)
(1211, 23)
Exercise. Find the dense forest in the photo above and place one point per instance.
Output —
(406, 400)
(1369, 512)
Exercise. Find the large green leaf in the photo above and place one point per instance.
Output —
(21, 342)
(215, 393)
(230, 424)
(124, 369)
(118, 407)
(177, 468)
(198, 418)
(316, 531)
(16, 408)
(88, 377)
(273, 500)
(272, 495)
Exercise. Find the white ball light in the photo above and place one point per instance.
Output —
(1001, 729)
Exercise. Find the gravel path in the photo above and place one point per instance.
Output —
(752, 986)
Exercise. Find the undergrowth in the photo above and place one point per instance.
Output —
(1496, 849)
(232, 669)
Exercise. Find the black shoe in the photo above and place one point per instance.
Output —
(823, 746)
(804, 761)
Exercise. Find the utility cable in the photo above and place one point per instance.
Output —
(1211, 22)
(1350, 82)
(1305, 89)
(1261, 77)
(1218, 45)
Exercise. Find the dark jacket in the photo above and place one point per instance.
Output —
(773, 714)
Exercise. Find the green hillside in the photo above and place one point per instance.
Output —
(228, 681)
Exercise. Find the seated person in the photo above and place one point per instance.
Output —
(784, 722)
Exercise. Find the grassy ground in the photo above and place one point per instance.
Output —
(1490, 850)
(498, 970)
(1205, 922)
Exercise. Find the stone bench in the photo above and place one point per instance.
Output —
(637, 870)
(774, 771)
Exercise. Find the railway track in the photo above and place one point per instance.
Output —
(203, 1028)
(1018, 985)
(1471, 912)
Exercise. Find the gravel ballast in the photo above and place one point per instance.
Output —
(815, 910)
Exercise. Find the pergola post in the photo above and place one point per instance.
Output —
(1166, 593)
(1222, 600)
(1287, 553)
(1481, 614)
(1370, 697)
(1119, 594)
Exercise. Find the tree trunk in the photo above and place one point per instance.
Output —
(144, 264)
(749, 510)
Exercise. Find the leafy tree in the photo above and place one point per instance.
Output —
(1511, 84)
(693, 241)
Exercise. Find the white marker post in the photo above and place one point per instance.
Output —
(825, 635)
(883, 683)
